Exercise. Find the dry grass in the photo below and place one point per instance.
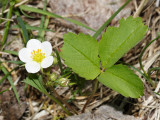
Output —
(38, 106)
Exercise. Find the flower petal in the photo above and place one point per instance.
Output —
(34, 44)
(47, 48)
(47, 62)
(32, 67)
(24, 55)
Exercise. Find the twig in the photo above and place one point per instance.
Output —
(157, 3)
(4, 53)
(16, 5)
(89, 99)
(141, 6)
(6, 19)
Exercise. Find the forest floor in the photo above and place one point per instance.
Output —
(106, 103)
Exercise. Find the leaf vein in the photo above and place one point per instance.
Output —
(111, 56)
(83, 55)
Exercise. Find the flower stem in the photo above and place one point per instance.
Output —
(53, 97)
(91, 96)
(59, 97)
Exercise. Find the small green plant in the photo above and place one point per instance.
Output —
(85, 55)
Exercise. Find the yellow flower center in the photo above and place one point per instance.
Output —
(37, 56)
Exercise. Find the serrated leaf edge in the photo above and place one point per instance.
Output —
(123, 42)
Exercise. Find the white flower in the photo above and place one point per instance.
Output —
(36, 55)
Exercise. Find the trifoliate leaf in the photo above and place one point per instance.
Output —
(80, 53)
(121, 79)
(116, 41)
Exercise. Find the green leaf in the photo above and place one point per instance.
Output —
(28, 27)
(4, 4)
(6, 75)
(11, 52)
(116, 41)
(32, 9)
(80, 52)
(121, 79)
(59, 61)
(36, 82)
(7, 25)
(16, 62)
(40, 33)
(24, 30)
(3, 91)
(11, 82)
